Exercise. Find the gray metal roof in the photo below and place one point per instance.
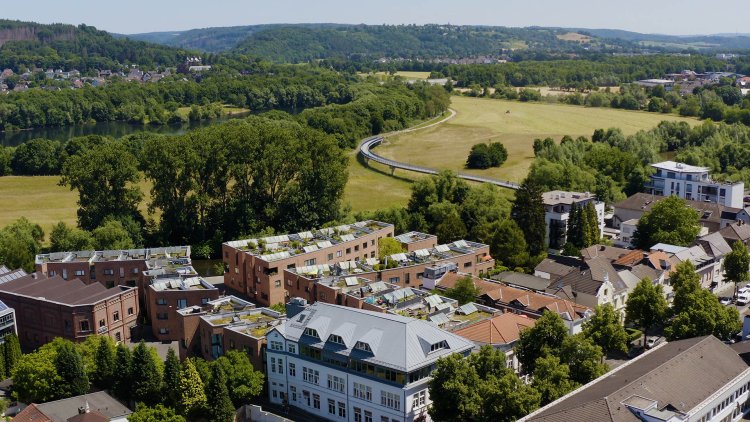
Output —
(396, 342)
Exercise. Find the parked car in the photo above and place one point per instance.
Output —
(745, 289)
(725, 300)
(743, 298)
(652, 341)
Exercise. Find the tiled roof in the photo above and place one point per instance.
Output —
(520, 279)
(31, 414)
(499, 330)
(709, 212)
(705, 364)
(449, 281)
(603, 251)
(736, 232)
(557, 266)
(101, 402)
(536, 302)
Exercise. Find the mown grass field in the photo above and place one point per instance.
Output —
(42, 201)
(446, 146)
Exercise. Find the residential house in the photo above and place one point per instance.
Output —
(693, 183)
(554, 267)
(699, 379)
(712, 216)
(339, 363)
(557, 206)
(738, 231)
(49, 307)
(522, 280)
(92, 407)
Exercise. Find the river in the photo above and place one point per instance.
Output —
(112, 129)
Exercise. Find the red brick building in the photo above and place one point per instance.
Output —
(256, 266)
(49, 307)
(165, 296)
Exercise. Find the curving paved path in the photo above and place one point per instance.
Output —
(368, 144)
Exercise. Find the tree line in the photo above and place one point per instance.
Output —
(194, 389)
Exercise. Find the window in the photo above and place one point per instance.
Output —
(277, 345)
(348, 251)
(368, 416)
(84, 325)
(467, 264)
(356, 248)
(163, 331)
(364, 245)
(310, 375)
(161, 301)
(342, 410)
(332, 406)
(293, 348)
(362, 391)
(162, 316)
(109, 272)
(419, 399)
(181, 303)
(52, 273)
(204, 300)
(336, 383)
(280, 366)
(130, 311)
(292, 370)
(306, 396)
(309, 262)
(390, 400)
(79, 272)
(311, 332)
(134, 271)
(102, 323)
(330, 257)
(338, 254)
(122, 272)
(118, 336)
(357, 414)
(116, 316)
(333, 338)
(363, 346)
(439, 345)
(277, 283)
(316, 401)
(273, 365)
(384, 419)
(293, 390)
(394, 280)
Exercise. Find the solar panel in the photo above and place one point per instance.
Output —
(422, 252)
(351, 281)
(347, 238)
(467, 309)
(442, 248)
(399, 257)
(372, 261)
(305, 235)
(461, 244)
(324, 244)
(433, 300)
(311, 248)
(439, 319)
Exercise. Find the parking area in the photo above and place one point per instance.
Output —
(725, 295)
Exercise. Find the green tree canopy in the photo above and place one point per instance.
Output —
(464, 291)
(605, 329)
(103, 377)
(670, 221)
(388, 246)
(158, 413)
(19, 244)
(65, 238)
(737, 264)
(548, 334)
(244, 382)
(69, 366)
(508, 244)
(111, 235)
(528, 212)
(122, 375)
(646, 306)
(192, 396)
(172, 377)
(220, 407)
(552, 379)
(146, 375)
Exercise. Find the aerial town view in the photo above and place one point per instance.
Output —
(374, 212)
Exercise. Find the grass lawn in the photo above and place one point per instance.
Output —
(227, 110)
(446, 146)
(42, 201)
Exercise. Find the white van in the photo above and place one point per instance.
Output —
(743, 299)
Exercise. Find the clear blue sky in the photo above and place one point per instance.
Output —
(134, 16)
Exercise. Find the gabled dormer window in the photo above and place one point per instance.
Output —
(438, 346)
(363, 346)
(333, 338)
(312, 333)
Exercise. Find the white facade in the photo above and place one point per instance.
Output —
(338, 394)
(693, 183)
(627, 231)
(557, 205)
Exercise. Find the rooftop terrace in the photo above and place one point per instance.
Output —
(220, 305)
(274, 248)
(180, 283)
(253, 322)
(421, 256)
(412, 237)
(170, 253)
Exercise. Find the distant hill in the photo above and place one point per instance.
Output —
(700, 42)
(28, 44)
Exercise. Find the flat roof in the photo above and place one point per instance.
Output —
(91, 256)
(181, 283)
(275, 248)
(251, 322)
(556, 197)
(679, 167)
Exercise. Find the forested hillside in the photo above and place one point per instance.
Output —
(26, 45)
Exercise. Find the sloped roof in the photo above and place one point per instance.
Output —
(31, 414)
(524, 280)
(450, 279)
(56, 289)
(703, 363)
(396, 342)
(603, 251)
(709, 212)
(736, 232)
(714, 244)
(558, 265)
(537, 302)
(503, 329)
(100, 402)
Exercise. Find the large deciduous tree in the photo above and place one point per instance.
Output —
(69, 366)
(106, 178)
(737, 264)
(605, 329)
(464, 291)
(546, 335)
(146, 375)
(646, 306)
(670, 221)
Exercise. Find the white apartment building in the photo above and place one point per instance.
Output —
(346, 364)
(557, 205)
(693, 183)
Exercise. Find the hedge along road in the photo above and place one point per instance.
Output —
(368, 144)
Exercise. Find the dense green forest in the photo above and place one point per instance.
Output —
(24, 45)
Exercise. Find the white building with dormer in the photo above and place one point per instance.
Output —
(346, 364)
